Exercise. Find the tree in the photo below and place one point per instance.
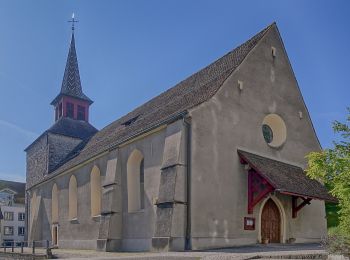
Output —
(332, 167)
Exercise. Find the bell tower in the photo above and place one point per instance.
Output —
(71, 102)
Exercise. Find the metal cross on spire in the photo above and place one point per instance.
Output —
(73, 21)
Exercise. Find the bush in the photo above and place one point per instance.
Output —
(337, 242)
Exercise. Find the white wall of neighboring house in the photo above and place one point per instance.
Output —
(15, 223)
(7, 204)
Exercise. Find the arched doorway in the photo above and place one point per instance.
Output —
(271, 222)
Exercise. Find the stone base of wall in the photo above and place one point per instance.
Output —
(109, 245)
(220, 242)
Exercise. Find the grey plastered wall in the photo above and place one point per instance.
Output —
(232, 119)
(139, 227)
(82, 233)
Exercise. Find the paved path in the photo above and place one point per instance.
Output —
(271, 251)
(277, 251)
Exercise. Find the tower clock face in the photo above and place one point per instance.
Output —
(267, 133)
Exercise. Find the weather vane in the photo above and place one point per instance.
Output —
(73, 21)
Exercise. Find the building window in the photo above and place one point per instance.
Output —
(54, 204)
(81, 113)
(8, 216)
(95, 182)
(8, 230)
(135, 181)
(21, 231)
(70, 110)
(142, 184)
(21, 216)
(73, 198)
(60, 110)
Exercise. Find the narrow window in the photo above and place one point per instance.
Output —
(142, 184)
(73, 200)
(135, 181)
(54, 204)
(70, 110)
(21, 231)
(56, 113)
(21, 216)
(60, 110)
(95, 182)
(81, 113)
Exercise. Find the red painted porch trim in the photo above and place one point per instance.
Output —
(296, 207)
(257, 184)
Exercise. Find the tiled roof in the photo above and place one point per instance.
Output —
(286, 178)
(72, 128)
(69, 127)
(71, 85)
(187, 94)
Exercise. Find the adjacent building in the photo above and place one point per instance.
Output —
(215, 161)
(12, 212)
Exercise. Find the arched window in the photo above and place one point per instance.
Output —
(73, 198)
(135, 181)
(95, 182)
(54, 204)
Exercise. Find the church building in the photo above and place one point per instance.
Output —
(215, 161)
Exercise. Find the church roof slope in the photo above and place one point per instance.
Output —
(187, 94)
(286, 178)
(69, 127)
(71, 85)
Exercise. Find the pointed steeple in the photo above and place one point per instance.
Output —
(71, 85)
(71, 101)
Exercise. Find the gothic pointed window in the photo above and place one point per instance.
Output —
(135, 181)
(95, 182)
(73, 198)
(54, 204)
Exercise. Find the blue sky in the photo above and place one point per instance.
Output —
(130, 51)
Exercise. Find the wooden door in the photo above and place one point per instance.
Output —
(271, 222)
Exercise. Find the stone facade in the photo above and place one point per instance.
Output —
(195, 187)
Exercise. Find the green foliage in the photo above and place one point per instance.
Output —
(332, 215)
(332, 167)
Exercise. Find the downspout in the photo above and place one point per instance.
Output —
(188, 242)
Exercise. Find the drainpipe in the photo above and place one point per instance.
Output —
(187, 123)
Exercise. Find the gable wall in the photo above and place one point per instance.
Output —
(232, 119)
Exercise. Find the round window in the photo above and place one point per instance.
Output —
(274, 130)
(267, 133)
